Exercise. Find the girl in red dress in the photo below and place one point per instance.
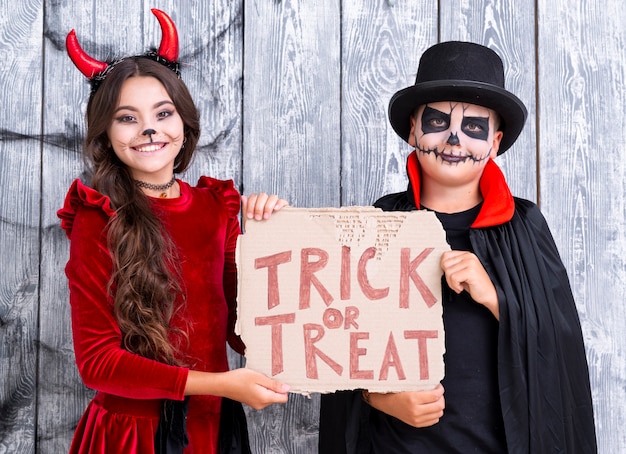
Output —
(152, 272)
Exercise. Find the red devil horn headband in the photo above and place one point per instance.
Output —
(87, 65)
(166, 54)
(169, 41)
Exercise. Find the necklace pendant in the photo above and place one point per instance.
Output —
(163, 195)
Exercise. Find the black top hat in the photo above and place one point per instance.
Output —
(460, 71)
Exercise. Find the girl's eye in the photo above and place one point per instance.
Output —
(164, 114)
(125, 118)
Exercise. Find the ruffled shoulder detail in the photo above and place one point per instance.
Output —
(81, 195)
(226, 190)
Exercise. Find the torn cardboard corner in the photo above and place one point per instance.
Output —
(343, 298)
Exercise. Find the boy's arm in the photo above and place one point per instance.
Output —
(416, 408)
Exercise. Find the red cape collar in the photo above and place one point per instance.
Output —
(498, 205)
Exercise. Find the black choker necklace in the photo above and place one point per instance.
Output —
(156, 187)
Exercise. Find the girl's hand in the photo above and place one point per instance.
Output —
(261, 206)
(464, 271)
(254, 389)
(243, 385)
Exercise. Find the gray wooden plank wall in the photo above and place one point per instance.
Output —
(293, 97)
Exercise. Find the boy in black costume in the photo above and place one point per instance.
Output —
(516, 376)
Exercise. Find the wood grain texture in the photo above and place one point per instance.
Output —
(20, 122)
(582, 72)
(291, 104)
(381, 47)
(293, 96)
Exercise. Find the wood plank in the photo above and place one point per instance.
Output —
(582, 73)
(509, 29)
(20, 175)
(291, 146)
(381, 47)
(291, 104)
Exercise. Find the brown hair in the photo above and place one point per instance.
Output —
(144, 282)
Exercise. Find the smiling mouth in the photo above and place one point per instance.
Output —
(151, 148)
(451, 158)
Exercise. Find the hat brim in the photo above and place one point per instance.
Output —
(510, 108)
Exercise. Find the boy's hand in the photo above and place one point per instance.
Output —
(260, 206)
(416, 408)
(464, 271)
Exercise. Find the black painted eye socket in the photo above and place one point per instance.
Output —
(434, 120)
(476, 127)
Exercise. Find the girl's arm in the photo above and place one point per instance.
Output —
(244, 385)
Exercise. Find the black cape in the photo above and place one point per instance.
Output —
(542, 367)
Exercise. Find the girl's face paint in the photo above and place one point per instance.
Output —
(455, 139)
(144, 104)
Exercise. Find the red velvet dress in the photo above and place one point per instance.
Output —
(124, 414)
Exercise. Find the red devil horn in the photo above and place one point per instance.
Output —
(90, 67)
(169, 42)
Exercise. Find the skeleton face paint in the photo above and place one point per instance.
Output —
(454, 142)
(454, 133)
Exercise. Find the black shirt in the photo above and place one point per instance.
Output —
(472, 420)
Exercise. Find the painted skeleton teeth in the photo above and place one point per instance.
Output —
(451, 158)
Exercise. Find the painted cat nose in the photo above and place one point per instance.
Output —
(148, 132)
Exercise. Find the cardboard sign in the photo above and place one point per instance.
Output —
(343, 298)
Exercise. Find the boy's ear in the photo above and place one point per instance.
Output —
(411, 140)
(495, 144)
